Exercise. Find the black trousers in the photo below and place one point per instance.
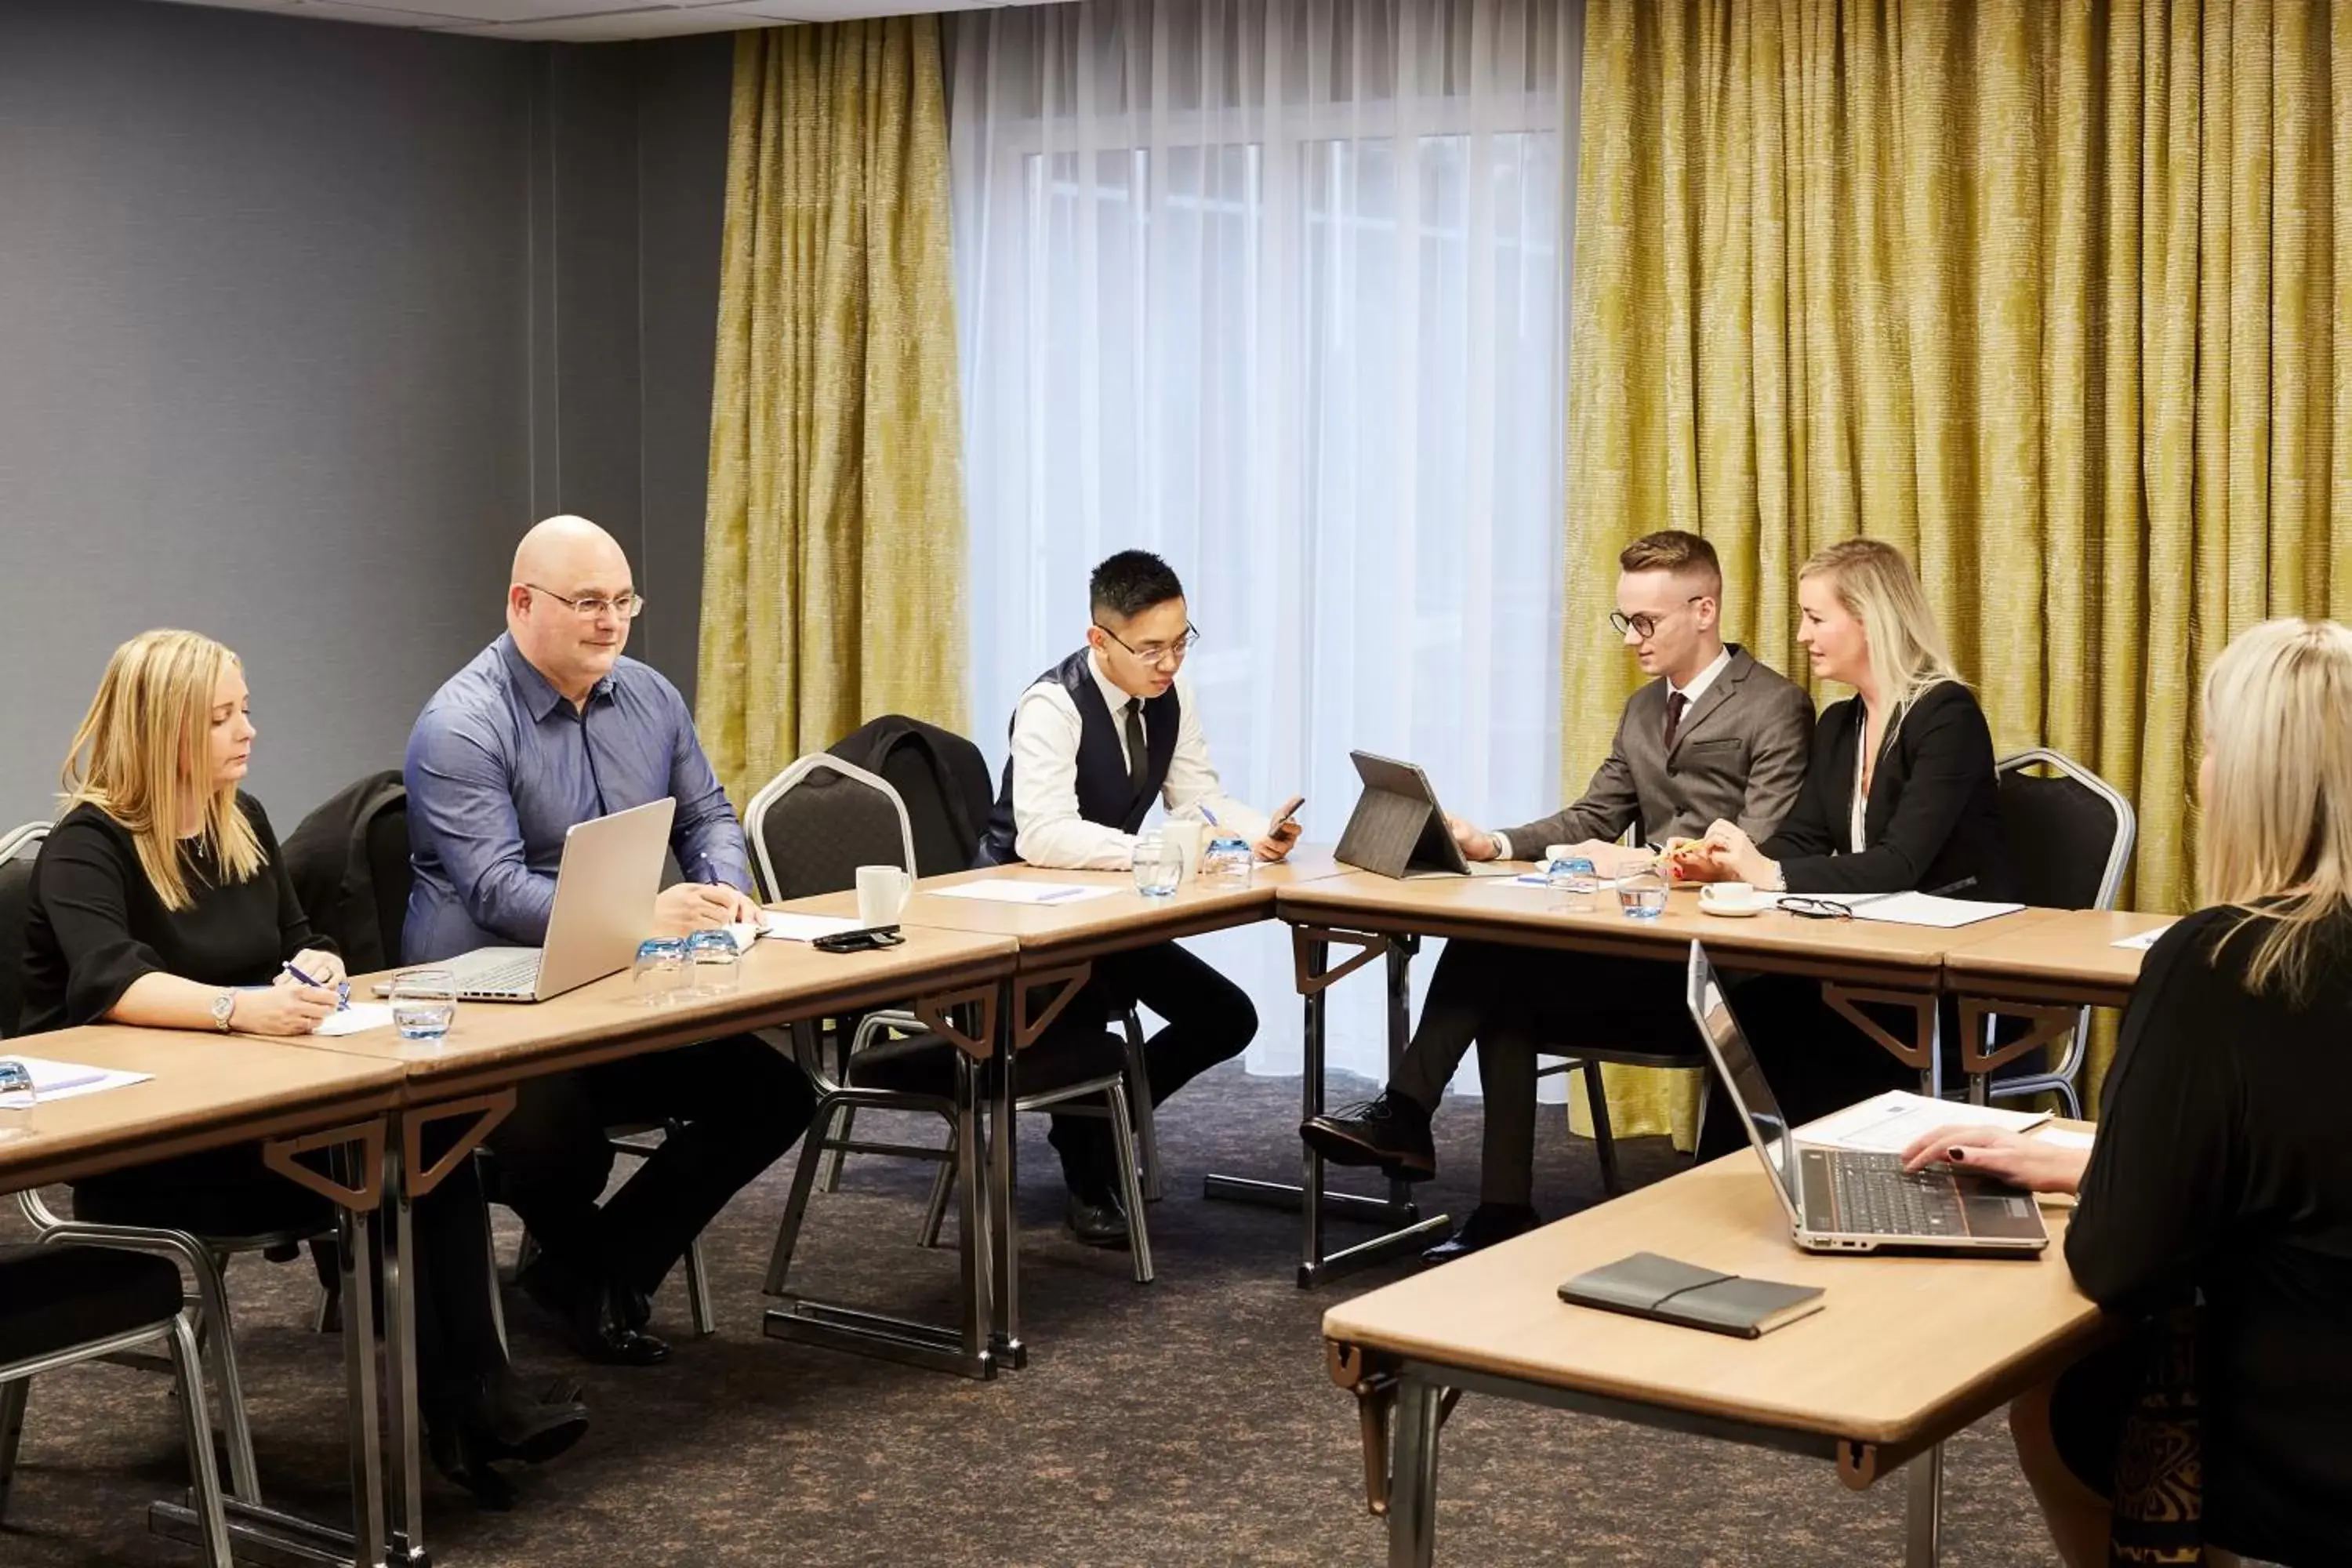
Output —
(1210, 1020)
(230, 1193)
(1814, 1057)
(742, 1103)
(1513, 1001)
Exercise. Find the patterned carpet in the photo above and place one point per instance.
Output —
(1187, 1422)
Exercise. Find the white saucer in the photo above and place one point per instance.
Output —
(1748, 910)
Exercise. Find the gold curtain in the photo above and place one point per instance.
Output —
(834, 564)
(2041, 291)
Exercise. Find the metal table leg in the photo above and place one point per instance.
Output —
(1412, 1495)
(1923, 1509)
(1311, 950)
(1003, 1224)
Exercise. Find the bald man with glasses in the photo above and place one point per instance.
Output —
(1715, 736)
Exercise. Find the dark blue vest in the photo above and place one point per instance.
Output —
(1105, 796)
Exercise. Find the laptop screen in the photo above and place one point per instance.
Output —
(1767, 1129)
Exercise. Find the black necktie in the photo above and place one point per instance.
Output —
(1676, 704)
(1139, 763)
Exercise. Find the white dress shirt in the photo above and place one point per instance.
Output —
(1690, 695)
(1047, 828)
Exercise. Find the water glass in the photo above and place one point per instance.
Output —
(1227, 862)
(1159, 866)
(423, 1003)
(1575, 884)
(659, 972)
(17, 1099)
(714, 963)
(1641, 896)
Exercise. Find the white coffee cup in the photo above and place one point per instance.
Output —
(1185, 838)
(1731, 895)
(881, 894)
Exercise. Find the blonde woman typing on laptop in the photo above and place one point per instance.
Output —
(160, 900)
(2221, 1167)
(1899, 795)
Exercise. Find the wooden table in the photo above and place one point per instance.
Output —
(1905, 1352)
(206, 1091)
(1858, 962)
(2051, 975)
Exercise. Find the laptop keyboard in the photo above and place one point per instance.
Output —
(512, 974)
(1875, 1197)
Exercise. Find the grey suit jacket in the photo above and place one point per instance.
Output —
(1739, 755)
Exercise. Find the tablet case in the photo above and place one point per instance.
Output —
(1648, 1285)
(1397, 828)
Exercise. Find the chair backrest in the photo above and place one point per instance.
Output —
(349, 863)
(940, 776)
(18, 847)
(812, 826)
(391, 870)
(2070, 834)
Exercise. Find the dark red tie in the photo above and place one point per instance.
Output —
(1676, 703)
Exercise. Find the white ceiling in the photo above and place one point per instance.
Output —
(594, 21)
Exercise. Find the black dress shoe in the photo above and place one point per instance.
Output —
(493, 1420)
(1487, 1224)
(1391, 1131)
(1096, 1219)
(591, 1314)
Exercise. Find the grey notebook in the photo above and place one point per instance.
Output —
(1648, 1285)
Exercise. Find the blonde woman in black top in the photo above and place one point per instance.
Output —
(2221, 1167)
(160, 900)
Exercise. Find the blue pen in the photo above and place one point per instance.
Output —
(1212, 817)
(343, 993)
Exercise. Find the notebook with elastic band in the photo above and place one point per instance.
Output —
(1648, 1285)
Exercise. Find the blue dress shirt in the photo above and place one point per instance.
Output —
(500, 766)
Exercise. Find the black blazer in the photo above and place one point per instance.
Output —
(1933, 822)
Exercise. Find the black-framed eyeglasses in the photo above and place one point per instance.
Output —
(588, 606)
(1644, 627)
(1156, 652)
(1817, 908)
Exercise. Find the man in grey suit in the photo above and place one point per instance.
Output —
(1716, 735)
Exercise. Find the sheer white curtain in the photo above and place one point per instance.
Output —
(1276, 287)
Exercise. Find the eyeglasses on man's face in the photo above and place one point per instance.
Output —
(1646, 626)
(1156, 652)
(628, 607)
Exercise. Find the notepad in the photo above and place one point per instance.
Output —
(1914, 908)
(1664, 1291)
(357, 1018)
(2143, 941)
(70, 1081)
(789, 928)
(1891, 1122)
(1016, 890)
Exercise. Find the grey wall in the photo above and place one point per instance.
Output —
(301, 323)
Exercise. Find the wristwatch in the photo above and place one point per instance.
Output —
(224, 1008)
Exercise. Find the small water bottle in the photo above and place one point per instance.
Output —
(18, 1098)
(1575, 884)
(1227, 862)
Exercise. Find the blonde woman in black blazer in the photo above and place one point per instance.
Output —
(1923, 814)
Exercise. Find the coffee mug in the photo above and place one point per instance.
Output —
(1184, 838)
(1731, 895)
(881, 894)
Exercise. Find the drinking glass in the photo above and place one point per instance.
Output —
(17, 1096)
(1159, 866)
(1575, 884)
(1227, 862)
(714, 963)
(1641, 896)
(659, 972)
(423, 1003)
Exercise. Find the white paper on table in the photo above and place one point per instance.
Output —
(1013, 890)
(2064, 1137)
(355, 1019)
(2143, 941)
(1913, 908)
(790, 928)
(1889, 1123)
(69, 1081)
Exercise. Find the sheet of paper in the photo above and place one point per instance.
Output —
(1013, 890)
(69, 1081)
(1926, 910)
(2143, 941)
(2064, 1137)
(356, 1019)
(790, 928)
(1890, 1122)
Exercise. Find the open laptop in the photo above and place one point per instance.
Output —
(1398, 830)
(1851, 1200)
(604, 889)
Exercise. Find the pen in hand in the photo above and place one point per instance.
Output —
(342, 994)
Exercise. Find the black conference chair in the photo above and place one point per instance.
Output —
(2070, 835)
(206, 1257)
(810, 828)
(61, 1305)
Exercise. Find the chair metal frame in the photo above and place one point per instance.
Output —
(756, 814)
(178, 1337)
(2061, 1079)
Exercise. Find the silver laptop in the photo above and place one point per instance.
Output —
(605, 891)
(1854, 1200)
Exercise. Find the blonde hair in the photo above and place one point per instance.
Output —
(147, 728)
(1907, 652)
(2278, 823)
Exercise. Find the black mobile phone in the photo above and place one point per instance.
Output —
(865, 941)
(1283, 817)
